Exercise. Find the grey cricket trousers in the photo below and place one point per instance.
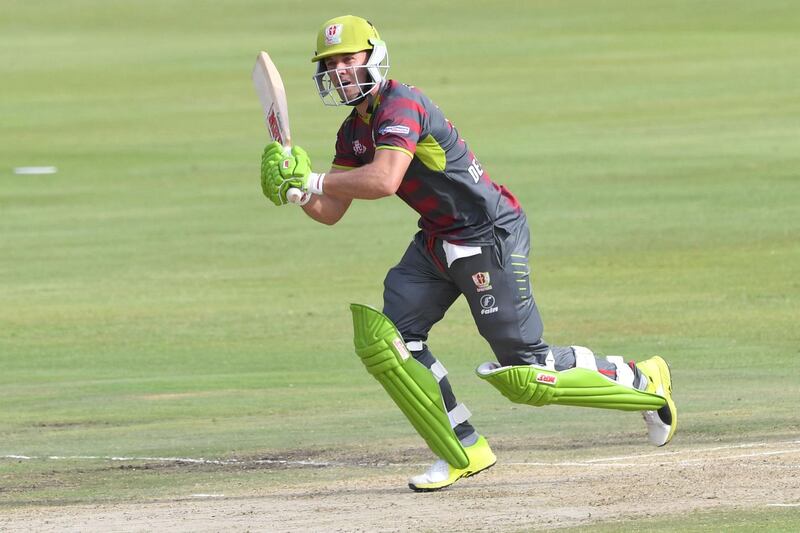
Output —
(496, 283)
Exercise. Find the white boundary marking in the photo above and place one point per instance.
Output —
(783, 505)
(623, 461)
(35, 170)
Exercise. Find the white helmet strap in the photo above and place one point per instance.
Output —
(376, 61)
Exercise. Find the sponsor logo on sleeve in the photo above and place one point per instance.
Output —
(402, 130)
(333, 34)
(359, 148)
(487, 303)
(547, 379)
(482, 281)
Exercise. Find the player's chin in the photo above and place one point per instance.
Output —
(348, 91)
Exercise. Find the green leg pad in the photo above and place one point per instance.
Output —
(535, 385)
(412, 386)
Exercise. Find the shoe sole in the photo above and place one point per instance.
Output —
(465, 475)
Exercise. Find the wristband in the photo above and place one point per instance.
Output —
(314, 183)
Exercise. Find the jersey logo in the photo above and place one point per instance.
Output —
(359, 148)
(403, 130)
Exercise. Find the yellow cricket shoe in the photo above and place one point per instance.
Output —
(661, 424)
(441, 474)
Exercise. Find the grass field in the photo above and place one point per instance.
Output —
(154, 305)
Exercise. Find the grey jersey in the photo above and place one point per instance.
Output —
(445, 183)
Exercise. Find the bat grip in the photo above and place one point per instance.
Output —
(294, 195)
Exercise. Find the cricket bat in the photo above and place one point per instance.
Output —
(269, 87)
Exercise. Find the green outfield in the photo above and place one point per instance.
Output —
(154, 305)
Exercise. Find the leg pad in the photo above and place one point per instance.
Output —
(536, 385)
(413, 387)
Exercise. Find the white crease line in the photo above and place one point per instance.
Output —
(224, 462)
(701, 450)
(783, 505)
(744, 456)
(601, 462)
(581, 464)
(684, 462)
(168, 460)
(629, 465)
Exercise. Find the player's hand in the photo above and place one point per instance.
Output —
(273, 183)
(272, 155)
(296, 167)
(281, 171)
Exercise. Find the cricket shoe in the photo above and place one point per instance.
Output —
(661, 424)
(441, 474)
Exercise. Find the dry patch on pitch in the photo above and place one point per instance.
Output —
(522, 492)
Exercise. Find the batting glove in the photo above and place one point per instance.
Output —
(282, 170)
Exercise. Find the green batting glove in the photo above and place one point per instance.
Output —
(273, 152)
(270, 159)
(281, 171)
(296, 165)
(296, 171)
(295, 168)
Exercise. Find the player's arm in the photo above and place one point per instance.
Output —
(381, 177)
(327, 209)
(374, 180)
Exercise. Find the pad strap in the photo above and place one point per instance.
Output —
(624, 372)
(439, 371)
(584, 358)
(458, 414)
(415, 346)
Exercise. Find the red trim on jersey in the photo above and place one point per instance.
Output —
(427, 204)
(404, 103)
(510, 198)
(444, 221)
(410, 185)
(429, 244)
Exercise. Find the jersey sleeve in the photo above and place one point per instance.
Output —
(398, 125)
(345, 157)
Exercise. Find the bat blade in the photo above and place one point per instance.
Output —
(269, 87)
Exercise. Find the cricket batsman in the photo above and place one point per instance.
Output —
(473, 241)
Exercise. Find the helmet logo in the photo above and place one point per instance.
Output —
(333, 34)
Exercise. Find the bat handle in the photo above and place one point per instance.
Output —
(294, 195)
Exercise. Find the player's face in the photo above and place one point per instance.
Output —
(348, 78)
